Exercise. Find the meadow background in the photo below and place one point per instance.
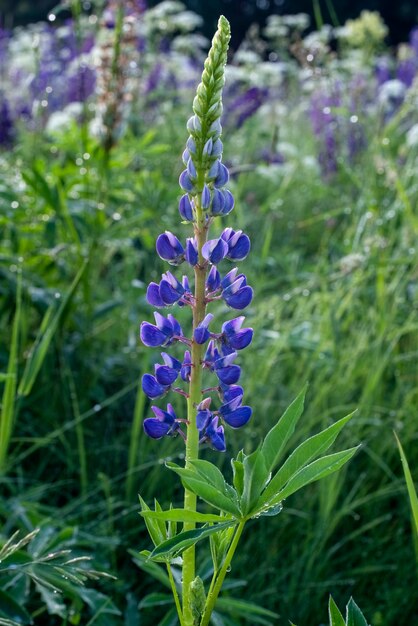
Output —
(320, 132)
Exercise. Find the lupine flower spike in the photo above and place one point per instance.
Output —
(204, 182)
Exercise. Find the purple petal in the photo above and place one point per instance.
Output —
(239, 417)
(215, 250)
(154, 428)
(240, 299)
(151, 387)
(239, 250)
(186, 367)
(205, 197)
(232, 392)
(233, 326)
(171, 361)
(191, 170)
(229, 278)
(215, 434)
(185, 182)
(213, 281)
(213, 171)
(222, 176)
(191, 252)
(164, 324)
(191, 145)
(228, 202)
(218, 202)
(185, 209)
(229, 375)
(168, 294)
(175, 325)
(165, 375)
(153, 295)
(169, 248)
(217, 148)
(151, 336)
(203, 418)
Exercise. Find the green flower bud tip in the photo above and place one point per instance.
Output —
(207, 104)
(197, 599)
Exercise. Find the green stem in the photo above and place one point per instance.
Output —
(195, 397)
(214, 591)
(175, 594)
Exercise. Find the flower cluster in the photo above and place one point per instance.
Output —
(205, 197)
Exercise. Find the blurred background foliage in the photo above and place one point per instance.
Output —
(321, 138)
(400, 15)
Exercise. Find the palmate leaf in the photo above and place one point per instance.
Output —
(204, 481)
(308, 450)
(314, 471)
(174, 546)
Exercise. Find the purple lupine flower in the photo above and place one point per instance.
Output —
(214, 435)
(235, 291)
(164, 333)
(234, 414)
(164, 423)
(238, 244)
(413, 41)
(186, 367)
(6, 123)
(215, 250)
(201, 333)
(245, 105)
(186, 209)
(234, 337)
(169, 248)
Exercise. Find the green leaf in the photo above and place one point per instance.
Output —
(255, 478)
(169, 619)
(209, 493)
(304, 453)
(315, 471)
(7, 414)
(409, 484)
(46, 333)
(247, 610)
(141, 559)
(182, 515)
(152, 525)
(156, 599)
(176, 545)
(354, 616)
(335, 617)
(211, 473)
(238, 472)
(12, 610)
(219, 545)
(277, 438)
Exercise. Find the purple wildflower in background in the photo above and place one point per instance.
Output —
(325, 125)
(243, 106)
(6, 122)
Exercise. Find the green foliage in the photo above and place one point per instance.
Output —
(333, 263)
(354, 617)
